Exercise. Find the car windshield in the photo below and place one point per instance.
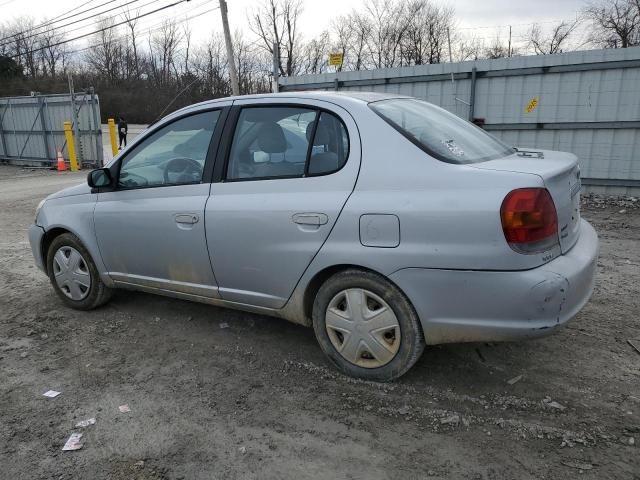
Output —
(441, 134)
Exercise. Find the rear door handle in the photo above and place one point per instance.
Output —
(187, 218)
(316, 219)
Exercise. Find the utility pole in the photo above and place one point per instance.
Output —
(450, 55)
(74, 119)
(233, 73)
(276, 66)
(509, 40)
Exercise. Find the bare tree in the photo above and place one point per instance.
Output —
(425, 36)
(186, 35)
(23, 45)
(555, 41)
(105, 57)
(342, 39)
(163, 49)
(497, 49)
(131, 25)
(361, 32)
(276, 23)
(469, 48)
(254, 66)
(210, 63)
(315, 53)
(616, 23)
(53, 53)
(387, 21)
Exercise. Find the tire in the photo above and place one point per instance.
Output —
(382, 321)
(77, 282)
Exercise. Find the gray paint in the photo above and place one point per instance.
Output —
(379, 230)
(247, 252)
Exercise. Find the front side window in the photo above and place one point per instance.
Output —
(440, 133)
(173, 155)
(284, 142)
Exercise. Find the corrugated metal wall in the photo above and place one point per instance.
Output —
(588, 103)
(31, 128)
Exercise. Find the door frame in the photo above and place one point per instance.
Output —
(208, 170)
(164, 286)
(353, 164)
(224, 148)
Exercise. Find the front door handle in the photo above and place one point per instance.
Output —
(315, 219)
(187, 218)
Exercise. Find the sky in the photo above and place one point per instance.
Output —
(485, 19)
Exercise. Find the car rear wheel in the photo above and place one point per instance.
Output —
(366, 326)
(73, 274)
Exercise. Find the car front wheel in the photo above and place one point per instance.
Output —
(73, 274)
(366, 326)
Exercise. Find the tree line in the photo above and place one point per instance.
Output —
(139, 72)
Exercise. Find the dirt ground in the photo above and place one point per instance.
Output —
(258, 399)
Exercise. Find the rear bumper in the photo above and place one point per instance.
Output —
(35, 239)
(475, 306)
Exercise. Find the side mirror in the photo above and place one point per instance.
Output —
(99, 178)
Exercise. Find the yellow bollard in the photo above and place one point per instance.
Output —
(112, 134)
(71, 147)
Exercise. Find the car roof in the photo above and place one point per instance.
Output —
(332, 96)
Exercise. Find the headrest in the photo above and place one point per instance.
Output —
(323, 135)
(271, 138)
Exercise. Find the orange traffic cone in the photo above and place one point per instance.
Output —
(61, 165)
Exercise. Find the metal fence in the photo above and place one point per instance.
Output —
(584, 102)
(31, 128)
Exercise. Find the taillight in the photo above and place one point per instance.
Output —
(529, 220)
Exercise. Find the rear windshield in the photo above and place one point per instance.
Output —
(439, 133)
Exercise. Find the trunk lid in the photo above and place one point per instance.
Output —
(561, 176)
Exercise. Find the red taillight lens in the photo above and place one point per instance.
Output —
(529, 220)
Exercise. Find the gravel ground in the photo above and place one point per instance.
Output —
(258, 400)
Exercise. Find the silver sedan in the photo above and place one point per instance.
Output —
(384, 222)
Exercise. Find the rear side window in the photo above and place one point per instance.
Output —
(330, 145)
(286, 142)
(441, 134)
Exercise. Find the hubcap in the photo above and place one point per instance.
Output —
(71, 273)
(363, 328)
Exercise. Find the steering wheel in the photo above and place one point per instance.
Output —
(128, 179)
(187, 170)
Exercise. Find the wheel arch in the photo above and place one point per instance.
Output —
(312, 287)
(48, 237)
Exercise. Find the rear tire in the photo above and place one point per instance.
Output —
(367, 326)
(74, 275)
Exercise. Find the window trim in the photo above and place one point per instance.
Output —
(224, 150)
(207, 170)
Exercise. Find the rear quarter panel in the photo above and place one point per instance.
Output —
(449, 214)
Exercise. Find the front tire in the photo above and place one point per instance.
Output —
(74, 275)
(367, 326)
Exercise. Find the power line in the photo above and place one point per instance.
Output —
(101, 29)
(153, 28)
(58, 19)
(65, 13)
(77, 21)
(83, 26)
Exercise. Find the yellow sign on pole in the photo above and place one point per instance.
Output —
(532, 104)
(335, 59)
